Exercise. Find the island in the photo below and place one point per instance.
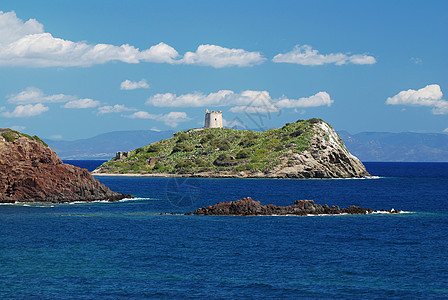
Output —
(303, 149)
(32, 172)
(249, 207)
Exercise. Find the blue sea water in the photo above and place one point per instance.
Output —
(128, 250)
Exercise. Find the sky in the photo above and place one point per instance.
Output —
(75, 69)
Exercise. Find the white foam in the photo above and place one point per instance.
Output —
(133, 199)
(391, 212)
(27, 204)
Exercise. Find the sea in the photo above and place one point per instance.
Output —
(144, 248)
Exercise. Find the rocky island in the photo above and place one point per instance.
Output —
(249, 207)
(303, 149)
(31, 172)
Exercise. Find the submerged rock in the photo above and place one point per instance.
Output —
(31, 172)
(249, 207)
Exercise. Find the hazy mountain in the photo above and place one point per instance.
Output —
(367, 146)
(104, 146)
(406, 146)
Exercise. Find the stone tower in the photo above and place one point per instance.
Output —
(213, 119)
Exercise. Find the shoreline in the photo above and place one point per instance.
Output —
(167, 175)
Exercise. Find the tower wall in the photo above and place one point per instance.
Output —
(213, 119)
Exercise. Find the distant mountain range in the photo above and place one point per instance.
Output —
(406, 146)
(367, 146)
(104, 146)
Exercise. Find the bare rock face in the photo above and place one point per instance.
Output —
(249, 207)
(31, 172)
(327, 158)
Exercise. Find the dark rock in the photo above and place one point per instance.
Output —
(249, 207)
(32, 172)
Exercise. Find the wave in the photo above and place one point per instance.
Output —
(353, 178)
(28, 204)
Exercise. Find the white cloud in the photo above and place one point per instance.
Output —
(113, 109)
(29, 110)
(417, 60)
(246, 101)
(160, 53)
(320, 99)
(81, 103)
(431, 96)
(446, 130)
(142, 115)
(27, 44)
(171, 119)
(132, 85)
(254, 109)
(34, 95)
(219, 57)
(174, 118)
(195, 99)
(307, 56)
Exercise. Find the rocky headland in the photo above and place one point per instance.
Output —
(31, 172)
(249, 207)
(303, 149)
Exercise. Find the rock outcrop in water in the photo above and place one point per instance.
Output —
(31, 172)
(249, 207)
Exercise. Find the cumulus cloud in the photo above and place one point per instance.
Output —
(446, 130)
(246, 101)
(174, 118)
(307, 56)
(171, 119)
(194, 99)
(132, 85)
(430, 96)
(117, 108)
(28, 110)
(34, 95)
(27, 44)
(320, 99)
(81, 103)
(160, 53)
(219, 57)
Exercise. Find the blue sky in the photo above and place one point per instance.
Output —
(74, 69)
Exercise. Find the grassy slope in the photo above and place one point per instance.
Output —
(217, 149)
(11, 135)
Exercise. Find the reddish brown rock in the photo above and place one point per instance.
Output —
(249, 207)
(32, 172)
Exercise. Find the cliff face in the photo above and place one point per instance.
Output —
(303, 149)
(31, 172)
(327, 157)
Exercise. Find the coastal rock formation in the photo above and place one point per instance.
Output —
(327, 157)
(249, 207)
(31, 172)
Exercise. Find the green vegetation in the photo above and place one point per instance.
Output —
(218, 149)
(11, 135)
